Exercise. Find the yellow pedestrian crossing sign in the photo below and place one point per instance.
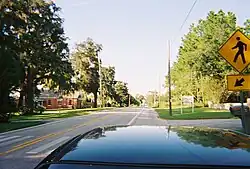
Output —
(236, 51)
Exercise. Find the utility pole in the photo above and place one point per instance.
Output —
(154, 96)
(159, 93)
(128, 100)
(100, 78)
(169, 81)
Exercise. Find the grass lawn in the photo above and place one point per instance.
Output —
(17, 125)
(47, 115)
(199, 113)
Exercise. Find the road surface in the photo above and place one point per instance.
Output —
(25, 148)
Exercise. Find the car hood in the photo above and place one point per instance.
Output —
(161, 145)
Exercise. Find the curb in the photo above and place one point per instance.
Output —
(238, 132)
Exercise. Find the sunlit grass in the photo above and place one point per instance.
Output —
(57, 114)
(199, 113)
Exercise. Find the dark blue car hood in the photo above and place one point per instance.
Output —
(161, 145)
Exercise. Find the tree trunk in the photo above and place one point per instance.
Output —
(30, 92)
(21, 100)
(4, 105)
(95, 100)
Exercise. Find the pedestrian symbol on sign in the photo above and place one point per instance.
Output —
(236, 51)
(241, 48)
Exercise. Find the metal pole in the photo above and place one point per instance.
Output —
(169, 81)
(242, 110)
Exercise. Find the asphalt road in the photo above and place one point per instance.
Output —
(25, 148)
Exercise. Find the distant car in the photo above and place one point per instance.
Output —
(142, 147)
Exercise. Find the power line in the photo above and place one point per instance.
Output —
(169, 56)
(185, 20)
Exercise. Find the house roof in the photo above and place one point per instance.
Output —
(51, 94)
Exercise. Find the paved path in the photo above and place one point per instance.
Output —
(23, 149)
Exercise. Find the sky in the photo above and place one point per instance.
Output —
(135, 33)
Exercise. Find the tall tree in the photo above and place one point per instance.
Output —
(198, 58)
(11, 24)
(41, 45)
(121, 93)
(45, 54)
(108, 83)
(134, 101)
(86, 65)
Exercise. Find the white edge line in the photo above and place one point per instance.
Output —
(9, 138)
(135, 117)
(14, 141)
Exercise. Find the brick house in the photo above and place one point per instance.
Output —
(52, 100)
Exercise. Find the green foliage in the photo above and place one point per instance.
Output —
(134, 101)
(199, 70)
(121, 93)
(140, 98)
(33, 48)
(199, 113)
(108, 84)
(10, 65)
(7, 108)
(39, 109)
(213, 138)
(86, 65)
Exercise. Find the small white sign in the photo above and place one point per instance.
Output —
(187, 99)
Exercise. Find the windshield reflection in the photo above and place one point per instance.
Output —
(208, 137)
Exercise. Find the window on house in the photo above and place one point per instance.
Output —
(70, 102)
(49, 102)
(44, 103)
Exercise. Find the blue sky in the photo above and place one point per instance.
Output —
(134, 33)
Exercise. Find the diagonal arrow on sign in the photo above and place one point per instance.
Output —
(239, 82)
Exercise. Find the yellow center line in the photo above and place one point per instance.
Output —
(39, 139)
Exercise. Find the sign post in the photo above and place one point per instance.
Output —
(236, 52)
(187, 100)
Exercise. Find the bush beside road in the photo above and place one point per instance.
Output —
(199, 113)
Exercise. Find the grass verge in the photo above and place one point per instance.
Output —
(50, 115)
(18, 121)
(199, 113)
(17, 125)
